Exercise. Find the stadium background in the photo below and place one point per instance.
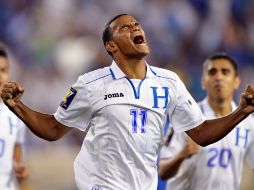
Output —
(54, 41)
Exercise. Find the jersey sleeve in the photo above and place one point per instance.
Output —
(75, 109)
(186, 114)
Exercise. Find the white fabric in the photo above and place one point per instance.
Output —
(217, 166)
(118, 153)
(11, 132)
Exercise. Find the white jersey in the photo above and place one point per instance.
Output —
(126, 119)
(12, 132)
(217, 166)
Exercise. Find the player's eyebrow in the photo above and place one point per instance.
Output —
(137, 24)
(125, 24)
(225, 70)
(212, 71)
(129, 23)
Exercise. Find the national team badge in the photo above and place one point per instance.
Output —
(68, 98)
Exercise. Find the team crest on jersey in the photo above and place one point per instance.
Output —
(68, 98)
(96, 187)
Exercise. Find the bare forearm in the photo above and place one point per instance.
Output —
(168, 168)
(43, 125)
(211, 131)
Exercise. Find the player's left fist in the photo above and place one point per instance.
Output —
(247, 99)
(20, 171)
(249, 94)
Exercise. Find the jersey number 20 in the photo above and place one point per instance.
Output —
(219, 157)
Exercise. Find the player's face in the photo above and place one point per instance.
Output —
(220, 80)
(4, 71)
(128, 37)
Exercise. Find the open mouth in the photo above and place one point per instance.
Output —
(138, 40)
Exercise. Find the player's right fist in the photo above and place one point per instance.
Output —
(11, 93)
(190, 149)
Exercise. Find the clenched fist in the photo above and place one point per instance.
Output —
(20, 171)
(11, 93)
(190, 149)
(247, 100)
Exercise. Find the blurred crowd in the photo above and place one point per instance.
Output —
(52, 42)
(55, 41)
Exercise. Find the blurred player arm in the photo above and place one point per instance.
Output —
(211, 131)
(43, 125)
(169, 167)
(20, 169)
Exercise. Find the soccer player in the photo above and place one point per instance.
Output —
(219, 165)
(124, 106)
(12, 170)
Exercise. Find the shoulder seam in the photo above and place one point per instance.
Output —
(166, 78)
(156, 74)
(97, 79)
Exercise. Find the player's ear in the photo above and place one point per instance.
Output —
(237, 82)
(111, 47)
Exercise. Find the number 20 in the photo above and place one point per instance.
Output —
(222, 157)
(142, 113)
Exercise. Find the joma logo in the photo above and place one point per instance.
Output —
(114, 95)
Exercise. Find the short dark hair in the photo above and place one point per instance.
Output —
(107, 34)
(3, 52)
(222, 55)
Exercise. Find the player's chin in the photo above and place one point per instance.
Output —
(141, 55)
(144, 51)
(147, 51)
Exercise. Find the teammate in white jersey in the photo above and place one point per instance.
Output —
(125, 106)
(219, 165)
(12, 170)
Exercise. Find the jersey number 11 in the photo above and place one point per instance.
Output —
(138, 115)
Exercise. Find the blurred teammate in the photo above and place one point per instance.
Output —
(124, 106)
(219, 165)
(12, 170)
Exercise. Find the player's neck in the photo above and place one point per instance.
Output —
(133, 69)
(221, 107)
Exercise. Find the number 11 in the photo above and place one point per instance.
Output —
(142, 113)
